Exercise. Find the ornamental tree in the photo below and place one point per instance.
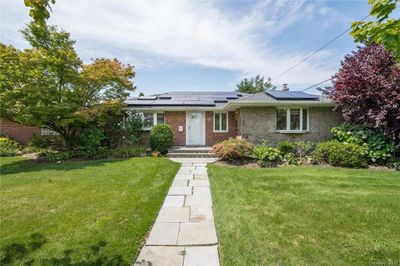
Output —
(367, 90)
(48, 86)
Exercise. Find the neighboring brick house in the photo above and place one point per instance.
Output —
(205, 118)
(20, 133)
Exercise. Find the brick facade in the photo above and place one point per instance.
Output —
(176, 119)
(20, 133)
(214, 137)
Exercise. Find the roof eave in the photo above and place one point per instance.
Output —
(174, 108)
(235, 105)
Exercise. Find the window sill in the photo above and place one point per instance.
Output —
(220, 131)
(292, 131)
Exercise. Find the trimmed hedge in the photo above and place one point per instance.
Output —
(340, 154)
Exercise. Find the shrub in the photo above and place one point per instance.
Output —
(291, 159)
(9, 147)
(267, 156)
(233, 149)
(304, 149)
(57, 156)
(92, 141)
(377, 148)
(394, 163)
(298, 149)
(340, 154)
(133, 125)
(39, 142)
(161, 138)
(127, 152)
(285, 146)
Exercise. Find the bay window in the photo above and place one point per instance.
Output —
(292, 119)
(220, 122)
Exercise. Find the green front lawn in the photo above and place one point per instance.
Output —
(306, 215)
(83, 213)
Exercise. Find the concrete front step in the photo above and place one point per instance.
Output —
(190, 155)
(200, 149)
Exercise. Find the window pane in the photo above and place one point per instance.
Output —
(216, 121)
(148, 120)
(294, 119)
(305, 119)
(281, 119)
(160, 118)
(224, 121)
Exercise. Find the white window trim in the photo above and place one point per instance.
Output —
(299, 131)
(154, 119)
(220, 122)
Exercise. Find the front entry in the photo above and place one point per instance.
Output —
(195, 125)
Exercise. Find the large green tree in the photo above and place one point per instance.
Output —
(48, 86)
(383, 29)
(254, 85)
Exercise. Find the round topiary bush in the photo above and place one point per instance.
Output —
(161, 138)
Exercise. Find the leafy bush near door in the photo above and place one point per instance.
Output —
(233, 149)
(340, 154)
(161, 138)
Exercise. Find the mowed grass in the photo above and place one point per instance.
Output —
(80, 213)
(306, 216)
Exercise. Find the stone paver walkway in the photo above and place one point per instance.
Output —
(184, 232)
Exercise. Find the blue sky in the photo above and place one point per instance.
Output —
(203, 45)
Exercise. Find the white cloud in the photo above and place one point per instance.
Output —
(193, 32)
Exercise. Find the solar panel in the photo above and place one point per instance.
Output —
(220, 100)
(185, 98)
(291, 95)
(136, 102)
(199, 103)
(147, 98)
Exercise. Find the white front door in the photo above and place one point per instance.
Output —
(195, 128)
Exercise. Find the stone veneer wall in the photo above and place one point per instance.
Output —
(258, 123)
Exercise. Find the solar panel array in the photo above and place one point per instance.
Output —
(291, 95)
(181, 98)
